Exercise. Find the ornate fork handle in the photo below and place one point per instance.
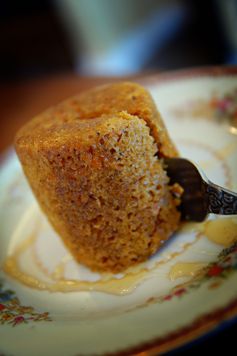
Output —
(200, 196)
(220, 200)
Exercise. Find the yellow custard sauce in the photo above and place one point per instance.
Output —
(221, 231)
(124, 285)
(185, 269)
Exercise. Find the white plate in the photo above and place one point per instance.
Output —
(155, 312)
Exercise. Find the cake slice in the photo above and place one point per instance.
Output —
(94, 163)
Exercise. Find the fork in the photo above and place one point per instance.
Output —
(200, 197)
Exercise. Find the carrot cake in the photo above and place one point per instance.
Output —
(94, 163)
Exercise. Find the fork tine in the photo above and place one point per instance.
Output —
(193, 201)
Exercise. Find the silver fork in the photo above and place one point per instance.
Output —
(200, 196)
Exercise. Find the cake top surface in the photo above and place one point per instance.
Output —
(80, 116)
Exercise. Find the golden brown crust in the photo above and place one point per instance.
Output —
(92, 164)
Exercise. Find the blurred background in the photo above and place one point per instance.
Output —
(114, 37)
(51, 49)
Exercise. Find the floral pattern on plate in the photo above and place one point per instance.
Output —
(13, 313)
(219, 106)
(214, 273)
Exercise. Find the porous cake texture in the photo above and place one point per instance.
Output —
(94, 163)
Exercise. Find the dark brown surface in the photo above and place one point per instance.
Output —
(22, 100)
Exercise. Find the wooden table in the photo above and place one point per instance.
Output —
(22, 100)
